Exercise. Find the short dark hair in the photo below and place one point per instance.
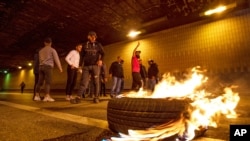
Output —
(92, 33)
(47, 40)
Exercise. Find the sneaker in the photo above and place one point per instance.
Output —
(48, 99)
(37, 98)
(67, 98)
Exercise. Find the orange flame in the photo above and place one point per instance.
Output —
(203, 111)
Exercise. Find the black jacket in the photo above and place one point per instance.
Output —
(91, 53)
(153, 70)
(116, 69)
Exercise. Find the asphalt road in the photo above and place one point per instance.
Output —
(22, 119)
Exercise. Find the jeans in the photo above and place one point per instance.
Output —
(151, 84)
(116, 85)
(94, 72)
(45, 74)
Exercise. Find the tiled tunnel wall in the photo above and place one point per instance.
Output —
(220, 45)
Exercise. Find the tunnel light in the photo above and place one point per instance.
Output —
(29, 64)
(216, 10)
(133, 33)
(19, 67)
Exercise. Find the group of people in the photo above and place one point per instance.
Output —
(143, 78)
(87, 58)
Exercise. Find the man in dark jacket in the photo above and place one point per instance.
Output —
(91, 59)
(152, 74)
(116, 72)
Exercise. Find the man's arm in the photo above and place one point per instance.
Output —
(138, 44)
(57, 60)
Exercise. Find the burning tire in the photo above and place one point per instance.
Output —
(143, 113)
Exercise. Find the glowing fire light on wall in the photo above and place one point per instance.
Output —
(203, 111)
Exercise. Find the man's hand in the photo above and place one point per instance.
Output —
(99, 62)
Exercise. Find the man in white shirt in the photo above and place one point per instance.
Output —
(73, 59)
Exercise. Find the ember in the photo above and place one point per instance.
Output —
(204, 110)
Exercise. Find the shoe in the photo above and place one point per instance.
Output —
(48, 99)
(37, 98)
(76, 100)
(112, 95)
(67, 98)
(96, 100)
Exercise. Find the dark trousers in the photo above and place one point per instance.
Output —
(45, 74)
(137, 83)
(22, 88)
(94, 72)
(102, 89)
(36, 81)
(71, 80)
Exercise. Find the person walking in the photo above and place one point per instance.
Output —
(91, 57)
(116, 72)
(47, 57)
(136, 76)
(22, 85)
(152, 74)
(73, 60)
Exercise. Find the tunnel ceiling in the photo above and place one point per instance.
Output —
(25, 23)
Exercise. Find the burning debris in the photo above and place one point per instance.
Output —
(204, 109)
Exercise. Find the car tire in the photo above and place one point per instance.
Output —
(143, 113)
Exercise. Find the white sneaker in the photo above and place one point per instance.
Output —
(37, 98)
(67, 97)
(48, 99)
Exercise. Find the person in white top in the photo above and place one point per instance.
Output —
(73, 59)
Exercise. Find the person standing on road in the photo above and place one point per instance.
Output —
(136, 76)
(116, 72)
(47, 57)
(22, 85)
(36, 71)
(153, 72)
(103, 79)
(144, 74)
(73, 60)
(91, 57)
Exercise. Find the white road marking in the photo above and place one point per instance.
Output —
(69, 117)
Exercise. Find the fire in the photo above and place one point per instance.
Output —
(204, 109)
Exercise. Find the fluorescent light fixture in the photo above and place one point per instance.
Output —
(133, 33)
(216, 10)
